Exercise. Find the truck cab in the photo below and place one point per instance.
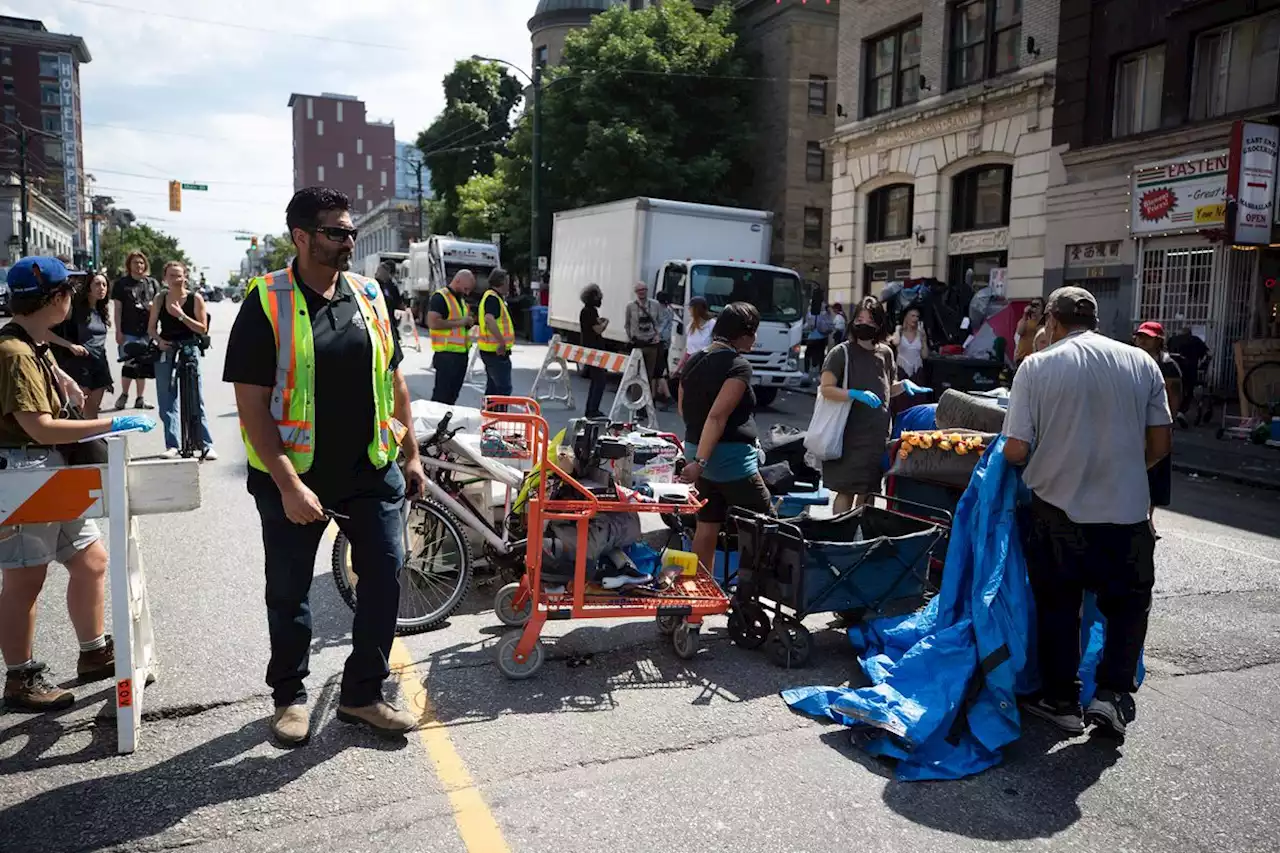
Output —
(777, 292)
(434, 262)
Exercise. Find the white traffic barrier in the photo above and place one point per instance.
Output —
(634, 396)
(118, 491)
(409, 329)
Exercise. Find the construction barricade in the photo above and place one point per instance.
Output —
(632, 404)
(119, 492)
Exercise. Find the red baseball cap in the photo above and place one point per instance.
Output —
(1151, 329)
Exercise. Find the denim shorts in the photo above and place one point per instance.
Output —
(24, 545)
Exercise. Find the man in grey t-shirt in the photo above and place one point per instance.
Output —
(1088, 416)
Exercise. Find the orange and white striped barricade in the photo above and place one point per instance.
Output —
(409, 329)
(118, 491)
(633, 398)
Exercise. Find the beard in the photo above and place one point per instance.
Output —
(335, 259)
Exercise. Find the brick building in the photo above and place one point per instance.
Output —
(1148, 91)
(40, 88)
(794, 45)
(943, 146)
(335, 145)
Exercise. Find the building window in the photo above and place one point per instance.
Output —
(339, 106)
(341, 157)
(893, 69)
(49, 95)
(6, 56)
(320, 173)
(540, 56)
(49, 65)
(813, 228)
(10, 115)
(1138, 88)
(985, 37)
(815, 162)
(817, 95)
(1236, 68)
(980, 198)
(359, 191)
(8, 86)
(368, 205)
(359, 146)
(383, 176)
(889, 213)
(53, 152)
(50, 122)
(311, 113)
(368, 162)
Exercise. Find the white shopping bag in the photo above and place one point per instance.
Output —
(825, 437)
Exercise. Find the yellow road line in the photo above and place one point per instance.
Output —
(476, 824)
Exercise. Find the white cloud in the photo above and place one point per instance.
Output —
(178, 99)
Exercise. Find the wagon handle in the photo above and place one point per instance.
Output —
(937, 510)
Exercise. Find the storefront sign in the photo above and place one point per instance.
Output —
(1252, 181)
(1092, 260)
(1186, 193)
(895, 250)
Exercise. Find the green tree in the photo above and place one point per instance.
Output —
(278, 251)
(480, 205)
(119, 241)
(463, 140)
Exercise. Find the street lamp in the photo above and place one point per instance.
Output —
(535, 179)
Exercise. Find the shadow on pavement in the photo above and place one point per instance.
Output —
(116, 810)
(1034, 794)
(40, 734)
(1228, 504)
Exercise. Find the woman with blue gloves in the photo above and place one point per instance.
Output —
(862, 370)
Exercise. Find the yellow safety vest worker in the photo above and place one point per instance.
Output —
(294, 395)
(451, 339)
(504, 335)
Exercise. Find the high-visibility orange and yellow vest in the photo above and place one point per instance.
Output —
(504, 335)
(294, 394)
(451, 339)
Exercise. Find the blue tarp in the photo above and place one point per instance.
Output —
(944, 680)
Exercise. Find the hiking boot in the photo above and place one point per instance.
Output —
(380, 717)
(122, 401)
(30, 690)
(97, 664)
(1111, 712)
(1065, 715)
(141, 404)
(291, 725)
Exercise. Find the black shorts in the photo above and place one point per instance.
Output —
(748, 493)
(1160, 481)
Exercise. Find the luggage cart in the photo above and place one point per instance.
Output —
(557, 496)
(871, 561)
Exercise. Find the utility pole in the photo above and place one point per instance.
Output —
(24, 135)
(417, 171)
(535, 179)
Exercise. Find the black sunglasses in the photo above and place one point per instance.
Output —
(337, 233)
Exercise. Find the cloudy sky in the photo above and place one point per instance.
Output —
(197, 92)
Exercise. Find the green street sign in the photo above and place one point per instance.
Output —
(244, 237)
(200, 187)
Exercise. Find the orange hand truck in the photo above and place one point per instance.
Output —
(678, 610)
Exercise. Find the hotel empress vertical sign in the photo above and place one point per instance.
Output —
(1185, 194)
(70, 142)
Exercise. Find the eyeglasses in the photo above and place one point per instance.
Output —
(337, 233)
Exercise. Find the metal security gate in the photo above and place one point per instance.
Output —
(1207, 287)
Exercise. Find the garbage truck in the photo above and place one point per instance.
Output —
(683, 250)
(435, 261)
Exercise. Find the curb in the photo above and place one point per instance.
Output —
(1230, 476)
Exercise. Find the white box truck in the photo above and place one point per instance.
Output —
(435, 261)
(683, 250)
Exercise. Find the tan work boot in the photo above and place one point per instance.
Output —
(31, 690)
(382, 718)
(291, 725)
(97, 664)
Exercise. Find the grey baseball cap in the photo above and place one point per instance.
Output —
(1073, 301)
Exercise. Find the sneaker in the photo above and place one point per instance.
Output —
(170, 453)
(624, 580)
(31, 690)
(1065, 715)
(381, 718)
(1181, 420)
(291, 725)
(210, 455)
(1111, 712)
(121, 402)
(98, 664)
(141, 404)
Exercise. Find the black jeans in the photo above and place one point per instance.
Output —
(451, 372)
(374, 501)
(1114, 561)
(595, 394)
(497, 371)
(814, 351)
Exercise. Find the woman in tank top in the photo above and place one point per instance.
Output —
(177, 316)
(912, 345)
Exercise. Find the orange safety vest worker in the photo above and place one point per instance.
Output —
(451, 339)
(505, 334)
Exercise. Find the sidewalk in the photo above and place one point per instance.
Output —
(1198, 451)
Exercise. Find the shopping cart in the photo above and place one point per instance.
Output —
(872, 561)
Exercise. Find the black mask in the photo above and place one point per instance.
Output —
(865, 331)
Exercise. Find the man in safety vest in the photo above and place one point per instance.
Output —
(497, 335)
(322, 406)
(450, 320)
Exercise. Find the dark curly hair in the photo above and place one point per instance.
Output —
(735, 320)
(309, 202)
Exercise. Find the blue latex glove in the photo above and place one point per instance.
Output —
(866, 398)
(123, 422)
(913, 389)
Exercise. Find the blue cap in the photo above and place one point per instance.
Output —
(30, 276)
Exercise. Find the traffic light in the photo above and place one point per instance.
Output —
(253, 242)
(175, 196)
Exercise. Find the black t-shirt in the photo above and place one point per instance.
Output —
(134, 296)
(587, 320)
(704, 375)
(1188, 350)
(1169, 367)
(343, 363)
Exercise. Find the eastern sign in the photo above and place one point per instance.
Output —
(1252, 180)
(1187, 193)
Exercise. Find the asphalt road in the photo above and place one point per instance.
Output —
(629, 748)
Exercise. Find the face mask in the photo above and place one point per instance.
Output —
(864, 331)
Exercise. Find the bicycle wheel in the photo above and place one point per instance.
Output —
(436, 574)
(1262, 385)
